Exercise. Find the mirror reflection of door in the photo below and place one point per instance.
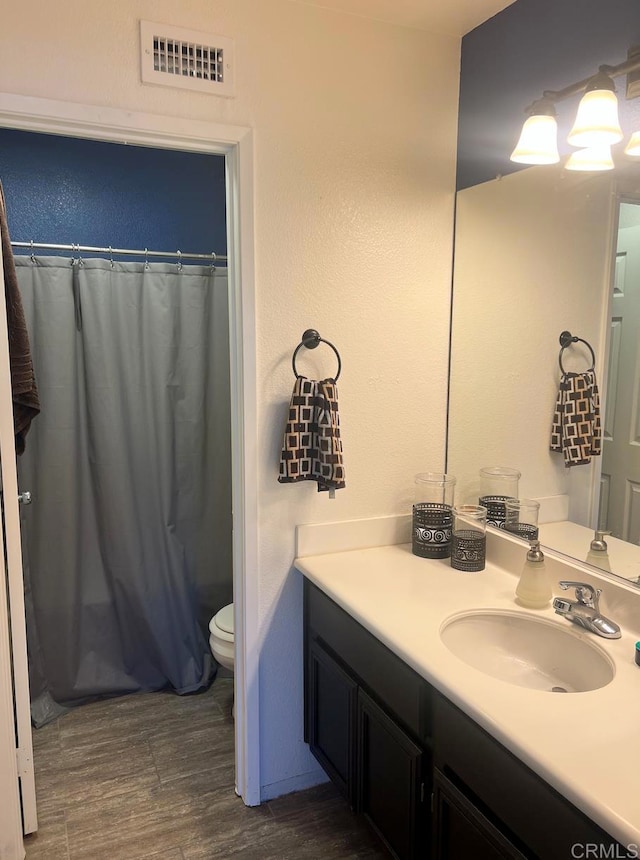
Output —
(620, 486)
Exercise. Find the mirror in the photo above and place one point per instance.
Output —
(538, 252)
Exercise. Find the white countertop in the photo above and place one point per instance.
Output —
(586, 745)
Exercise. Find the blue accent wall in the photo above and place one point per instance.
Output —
(68, 190)
(531, 46)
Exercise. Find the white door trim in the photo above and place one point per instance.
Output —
(236, 144)
(15, 583)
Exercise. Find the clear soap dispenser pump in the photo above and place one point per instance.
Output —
(598, 554)
(534, 589)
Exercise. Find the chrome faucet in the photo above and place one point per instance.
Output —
(586, 610)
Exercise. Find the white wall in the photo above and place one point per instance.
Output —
(355, 124)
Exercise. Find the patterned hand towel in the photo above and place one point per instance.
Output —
(312, 448)
(26, 404)
(576, 430)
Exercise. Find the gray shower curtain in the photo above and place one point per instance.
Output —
(127, 544)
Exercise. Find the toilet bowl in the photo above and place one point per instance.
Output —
(221, 639)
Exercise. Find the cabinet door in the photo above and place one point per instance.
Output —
(331, 713)
(391, 775)
(461, 830)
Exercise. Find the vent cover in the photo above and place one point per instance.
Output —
(174, 57)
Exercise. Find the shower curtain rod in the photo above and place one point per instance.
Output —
(177, 255)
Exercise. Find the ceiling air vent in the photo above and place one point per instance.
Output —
(174, 57)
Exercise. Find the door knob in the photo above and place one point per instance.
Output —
(24, 498)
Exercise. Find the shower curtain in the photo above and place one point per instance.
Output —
(127, 544)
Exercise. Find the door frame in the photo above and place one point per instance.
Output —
(48, 116)
(619, 195)
(11, 726)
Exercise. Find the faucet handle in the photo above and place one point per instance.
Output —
(586, 594)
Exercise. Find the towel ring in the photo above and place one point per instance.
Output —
(311, 339)
(566, 339)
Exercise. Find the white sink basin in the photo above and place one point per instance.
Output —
(527, 651)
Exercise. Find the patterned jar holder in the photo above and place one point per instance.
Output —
(468, 540)
(523, 530)
(432, 525)
(468, 552)
(496, 512)
(521, 518)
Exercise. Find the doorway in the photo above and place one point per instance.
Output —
(235, 144)
(128, 464)
(619, 511)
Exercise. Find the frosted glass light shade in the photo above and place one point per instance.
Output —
(593, 158)
(597, 121)
(633, 147)
(538, 142)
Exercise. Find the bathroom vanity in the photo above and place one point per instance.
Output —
(446, 761)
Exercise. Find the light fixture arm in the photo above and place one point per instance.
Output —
(631, 64)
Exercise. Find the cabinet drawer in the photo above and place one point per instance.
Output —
(510, 794)
(403, 692)
(461, 830)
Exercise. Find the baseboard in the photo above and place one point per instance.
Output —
(295, 783)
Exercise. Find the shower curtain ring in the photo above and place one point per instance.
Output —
(33, 256)
(213, 261)
(179, 253)
(111, 256)
(146, 259)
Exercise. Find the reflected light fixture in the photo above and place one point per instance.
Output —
(596, 127)
(591, 158)
(633, 147)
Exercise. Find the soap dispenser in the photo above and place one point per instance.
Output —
(598, 554)
(534, 590)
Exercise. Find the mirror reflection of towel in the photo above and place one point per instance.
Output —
(26, 404)
(576, 431)
(312, 448)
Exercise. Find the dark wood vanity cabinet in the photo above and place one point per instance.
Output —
(393, 774)
(427, 777)
(520, 813)
(366, 720)
(461, 829)
(332, 697)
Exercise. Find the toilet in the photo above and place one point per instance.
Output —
(221, 636)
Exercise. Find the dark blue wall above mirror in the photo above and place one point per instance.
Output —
(531, 46)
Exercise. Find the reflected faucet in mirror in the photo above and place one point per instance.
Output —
(598, 554)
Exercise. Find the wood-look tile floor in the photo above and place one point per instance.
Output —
(151, 776)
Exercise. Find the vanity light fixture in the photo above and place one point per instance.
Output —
(538, 142)
(596, 126)
(597, 122)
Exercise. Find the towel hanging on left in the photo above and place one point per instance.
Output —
(576, 430)
(26, 404)
(312, 447)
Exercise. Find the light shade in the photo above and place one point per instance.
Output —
(597, 121)
(538, 142)
(633, 147)
(593, 158)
